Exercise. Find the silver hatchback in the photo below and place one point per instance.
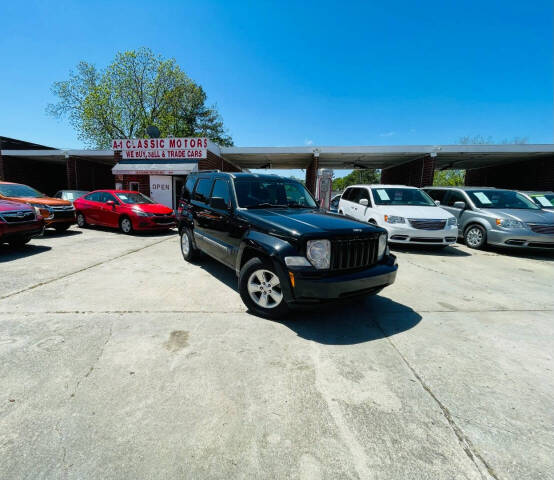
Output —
(491, 216)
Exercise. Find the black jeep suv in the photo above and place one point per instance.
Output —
(285, 250)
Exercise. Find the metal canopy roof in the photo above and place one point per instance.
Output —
(446, 156)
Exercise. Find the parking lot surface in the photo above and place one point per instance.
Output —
(120, 361)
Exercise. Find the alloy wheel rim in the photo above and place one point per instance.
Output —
(185, 244)
(80, 220)
(474, 237)
(264, 289)
(126, 225)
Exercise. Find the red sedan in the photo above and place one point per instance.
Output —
(122, 209)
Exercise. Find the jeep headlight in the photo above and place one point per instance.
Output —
(382, 248)
(452, 222)
(509, 223)
(394, 219)
(319, 253)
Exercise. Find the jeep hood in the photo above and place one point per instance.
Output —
(305, 222)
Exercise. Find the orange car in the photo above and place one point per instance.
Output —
(57, 213)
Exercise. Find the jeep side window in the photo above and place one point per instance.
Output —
(355, 195)
(221, 190)
(189, 185)
(346, 194)
(202, 190)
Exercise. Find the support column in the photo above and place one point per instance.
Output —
(535, 174)
(416, 173)
(311, 173)
(2, 172)
(71, 173)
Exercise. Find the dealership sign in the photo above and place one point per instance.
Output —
(162, 148)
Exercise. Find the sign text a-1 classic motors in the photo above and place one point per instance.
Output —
(162, 148)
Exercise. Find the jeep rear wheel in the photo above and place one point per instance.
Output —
(261, 289)
(187, 247)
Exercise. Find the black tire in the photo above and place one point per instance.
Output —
(125, 225)
(81, 220)
(191, 253)
(475, 236)
(62, 228)
(250, 271)
(372, 221)
(19, 242)
(341, 212)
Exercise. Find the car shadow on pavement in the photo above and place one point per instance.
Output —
(545, 255)
(352, 322)
(54, 234)
(450, 251)
(346, 322)
(9, 254)
(136, 233)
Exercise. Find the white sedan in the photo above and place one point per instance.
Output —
(409, 215)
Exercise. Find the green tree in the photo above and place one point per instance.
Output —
(362, 176)
(449, 178)
(138, 89)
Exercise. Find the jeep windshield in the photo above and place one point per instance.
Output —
(272, 193)
(501, 199)
(402, 196)
(15, 190)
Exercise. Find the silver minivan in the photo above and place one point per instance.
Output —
(491, 216)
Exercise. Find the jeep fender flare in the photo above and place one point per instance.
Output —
(271, 247)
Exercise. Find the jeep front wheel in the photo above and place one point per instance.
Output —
(261, 289)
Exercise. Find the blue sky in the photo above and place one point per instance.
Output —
(302, 73)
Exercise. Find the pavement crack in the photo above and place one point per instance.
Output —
(65, 275)
(93, 366)
(357, 452)
(483, 467)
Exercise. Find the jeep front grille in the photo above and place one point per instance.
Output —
(348, 254)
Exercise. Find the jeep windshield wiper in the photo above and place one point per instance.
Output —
(266, 205)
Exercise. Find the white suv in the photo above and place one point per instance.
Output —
(409, 215)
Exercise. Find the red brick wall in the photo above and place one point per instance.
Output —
(417, 173)
(215, 162)
(143, 181)
(529, 175)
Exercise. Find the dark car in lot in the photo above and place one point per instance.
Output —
(123, 209)
(284, 249)
(19, 223)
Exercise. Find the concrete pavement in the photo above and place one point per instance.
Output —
(119, 360)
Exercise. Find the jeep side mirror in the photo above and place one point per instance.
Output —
(364, 202)
(218, 203)
(437, 202)
(460, 205)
